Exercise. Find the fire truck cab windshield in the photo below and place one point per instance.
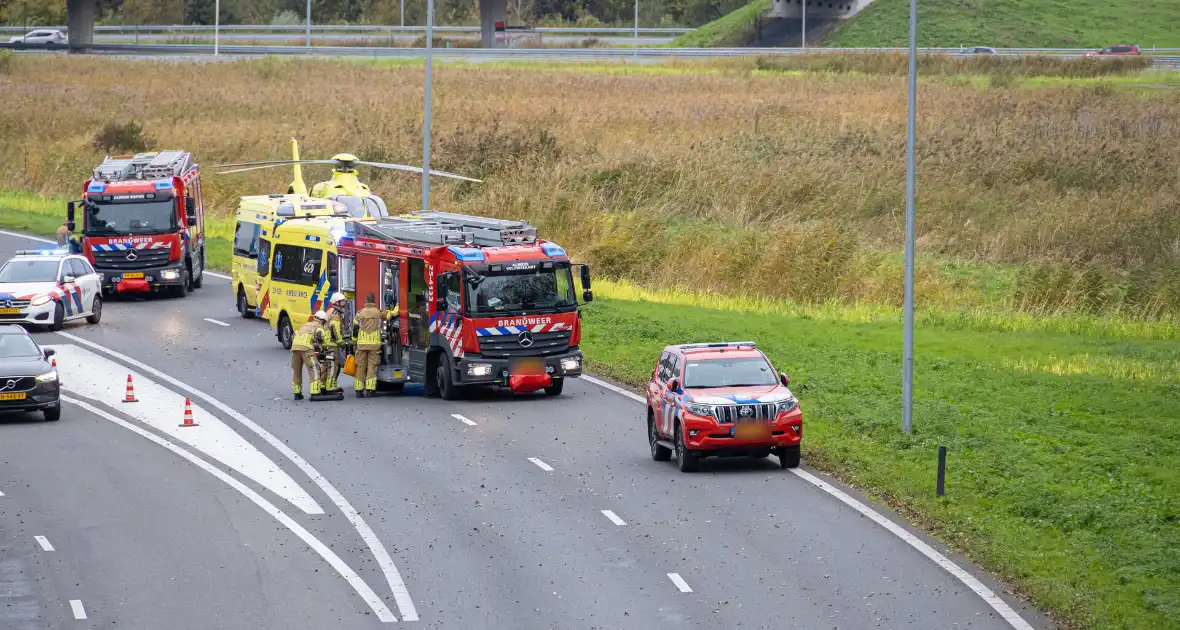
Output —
(109, 215)
(520, 288)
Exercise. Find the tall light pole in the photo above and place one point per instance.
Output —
(907, 367)
(216, 26)
(308, 42)
(403, 5)
(426, 118)
(803, 29)
(635, 47)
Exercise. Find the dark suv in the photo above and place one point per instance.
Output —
(27, 380)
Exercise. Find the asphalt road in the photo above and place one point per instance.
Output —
(498, 512)
(360, 38)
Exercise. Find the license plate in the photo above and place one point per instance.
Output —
(751, 431)
(528, 367)
(9, 311)
(138, 274)
(18, 396)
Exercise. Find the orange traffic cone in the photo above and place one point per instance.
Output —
(130, 396)
(188, 415)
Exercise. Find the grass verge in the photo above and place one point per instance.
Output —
(1061, 430)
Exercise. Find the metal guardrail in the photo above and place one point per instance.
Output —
(327, 28)
(1171, 61)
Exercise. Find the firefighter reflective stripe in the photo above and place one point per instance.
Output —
(306, 338)
(333, 335)
(367, 326)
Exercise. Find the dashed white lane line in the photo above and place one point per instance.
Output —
(44, 542)
(542, 465)
(462, 419)
(214, 321)
(614, 518)
(362, 588)
(679, 582)
(401, 594)
(1, 494)
(76, 607)
(985, 593)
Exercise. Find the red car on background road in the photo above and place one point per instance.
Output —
(1121, 49)
(721, 400)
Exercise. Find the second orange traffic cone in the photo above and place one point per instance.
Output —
(130, 396)
(188, 415)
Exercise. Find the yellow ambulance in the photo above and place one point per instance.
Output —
(256, 218)
(302, 273)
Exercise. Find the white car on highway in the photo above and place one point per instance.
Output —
(49, 288)
(43, 36)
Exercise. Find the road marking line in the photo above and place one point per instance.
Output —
(217, 275)
(44, 543)
(614, 518)
(26, 236)
(90, 375)
(397, 586)
(679, 582)
(997, 604)
(462, 419)
(79, 611)
(214, 321)
(1, 494)
(362, 588)
(545, 467)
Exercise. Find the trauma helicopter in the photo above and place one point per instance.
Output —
(344, 186)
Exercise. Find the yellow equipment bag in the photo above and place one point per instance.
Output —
(350, 365)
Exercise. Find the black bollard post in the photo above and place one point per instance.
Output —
(941, 469)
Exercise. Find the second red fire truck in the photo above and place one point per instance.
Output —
(143, 223)
(482, 301)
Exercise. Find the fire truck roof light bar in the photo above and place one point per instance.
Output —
(725, 344)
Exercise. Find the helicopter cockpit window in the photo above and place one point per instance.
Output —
(357, 206)
(376, 206)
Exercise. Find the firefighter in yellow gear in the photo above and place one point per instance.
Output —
(308, 340)
(366, 335)
(333, 343)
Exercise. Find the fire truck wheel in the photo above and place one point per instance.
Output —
(658, 453)
(445, 378)
(243, 305)
(200, 274)
(59, 318)
(95, 311)
(685, 459)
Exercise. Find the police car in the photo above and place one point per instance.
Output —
(49, 288)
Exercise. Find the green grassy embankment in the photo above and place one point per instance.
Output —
(1062, 431)
(999, 23)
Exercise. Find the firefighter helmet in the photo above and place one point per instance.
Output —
(337, 298)
(322, 316)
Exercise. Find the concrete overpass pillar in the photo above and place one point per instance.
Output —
(80, 24)
(490, 12)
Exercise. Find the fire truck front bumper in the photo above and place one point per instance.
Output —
(521, 375)
(144, 281)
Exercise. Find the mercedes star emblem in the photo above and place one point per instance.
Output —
(525, 339)
(8, 304)
(131, 255)
(11, 384)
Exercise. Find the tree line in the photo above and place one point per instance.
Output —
(652, 13)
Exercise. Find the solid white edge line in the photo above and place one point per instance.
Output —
(679, 582)
(44, 542)
(214, 321)
(999, 605)
(462, 419)
(397, 586)
(540, 464)
(46, 240)
(362, 588)
(1, 494)
(26, 236)
(614, 518)
(77, 609)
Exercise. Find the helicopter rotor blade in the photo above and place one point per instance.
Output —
(418, 169)
(259, 165)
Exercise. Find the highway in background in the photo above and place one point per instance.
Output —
(495, 512)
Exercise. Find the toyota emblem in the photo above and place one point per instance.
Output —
(746, 412)
(525, 339)
(131, 255)
(11, 384)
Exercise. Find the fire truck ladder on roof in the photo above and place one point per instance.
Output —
(445, 228)
(144, 166)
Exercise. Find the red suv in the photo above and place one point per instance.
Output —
(721, 400)
(1121, 49)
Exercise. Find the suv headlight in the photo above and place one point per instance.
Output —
(787, 405)
(47, 377)
(699, 409)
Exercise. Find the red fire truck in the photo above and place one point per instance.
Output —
(482, 302)
(143, 223)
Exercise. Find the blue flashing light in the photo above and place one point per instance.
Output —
(552, 249)
(96, 187)
(164, 184)
(467, 254)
